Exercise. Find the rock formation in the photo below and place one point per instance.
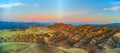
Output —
(87, 37)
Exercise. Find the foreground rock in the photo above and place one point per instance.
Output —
(25, 47)
(115, 50)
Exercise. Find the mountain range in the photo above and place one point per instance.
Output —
(24, 25)
(20, 25)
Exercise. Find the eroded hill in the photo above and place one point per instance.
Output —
(87, 37)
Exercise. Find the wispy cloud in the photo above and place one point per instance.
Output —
(114, 8)
(11, 5)
(35, 4)
(117, 3)
(76, 13)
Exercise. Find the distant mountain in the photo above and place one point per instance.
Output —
(19, 25)
(110, 24)
(24, 25)
(114, 24)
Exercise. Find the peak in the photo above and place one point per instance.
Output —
(62, 24)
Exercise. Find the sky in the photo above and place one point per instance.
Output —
(66, 11)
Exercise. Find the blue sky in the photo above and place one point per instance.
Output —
(88, 11)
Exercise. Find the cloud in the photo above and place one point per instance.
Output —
(35, 4)
(117, 3)
(89, 19)
(11, 5)
(77, 13)
(38, 18)
(114, 8)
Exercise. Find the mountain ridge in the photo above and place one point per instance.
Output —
(19, 25)
(24, 25)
